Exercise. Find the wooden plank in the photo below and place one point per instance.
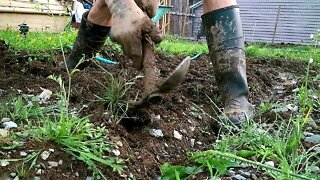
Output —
(31, 11)
(36, 22)
(29, 5)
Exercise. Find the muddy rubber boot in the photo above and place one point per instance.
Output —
(226, 46)
(89, 41)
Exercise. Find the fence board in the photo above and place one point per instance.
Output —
(297, 20)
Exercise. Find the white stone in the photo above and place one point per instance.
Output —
(4, 163)
(316, 149)
(16, 178)
(314, 169)
(51, 150)
(269, 163)
(4, 133)
(23, 154)
(9, 125)
(45, 155)
(177, 135)
(116, 152)
(239, 177)
(315, 139)
(13, 174)
(192, 141)
(39, 172)
(156, 133)
(52, 164)
(60, 162)
(5, 120)
(156, 118)
(45, 95)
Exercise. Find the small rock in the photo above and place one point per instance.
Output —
(23, 154)
(239, 177)
(51, 150)
(36, 178)
(278, 110)
(45, 155)
(88, 178)
(308, 134)
(4, 133)
(119, 143)
(45, 95)
(311, 122)
(269, 163)
(314, 169)
(4, 163)
(156, 118)
(13, 175)
(60, 162)
(52, 164)
(42, 166)
(245, 173)
(5, 120)
(192, 141)
(254, 177)
(116, 152)
(39, 172)
(177, 135)
(199, 143)
(231, 173)
(156, 133)
(166, 145)
(9, 125)
(316, 149)
(292, 107)
(315, 139)
(76, 174)
(16, 178)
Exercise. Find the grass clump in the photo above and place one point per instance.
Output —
(75, 135)
(293, 52)
(173, 45)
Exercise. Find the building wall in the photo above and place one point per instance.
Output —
(297, 19)
(41, 15)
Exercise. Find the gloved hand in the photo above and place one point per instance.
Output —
(129, 25)
(148, 6)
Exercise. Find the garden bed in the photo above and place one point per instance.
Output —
(186, 110)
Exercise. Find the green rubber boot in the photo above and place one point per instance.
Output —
(89, 41)
(226, 46)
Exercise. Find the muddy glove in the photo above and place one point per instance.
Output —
(129, 25)
(148, 6)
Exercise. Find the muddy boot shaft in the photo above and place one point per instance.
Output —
(89, 41)
(226, 46)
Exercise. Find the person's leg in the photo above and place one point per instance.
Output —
(226, 46)
(94, 28)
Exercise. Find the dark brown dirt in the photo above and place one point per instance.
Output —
(177, 110)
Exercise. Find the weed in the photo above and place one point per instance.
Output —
(115, 90)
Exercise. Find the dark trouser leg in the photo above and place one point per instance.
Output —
(89, 41)
(226, 45)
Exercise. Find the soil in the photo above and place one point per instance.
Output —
(182, 109)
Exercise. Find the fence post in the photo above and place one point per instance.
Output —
(276, 25)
